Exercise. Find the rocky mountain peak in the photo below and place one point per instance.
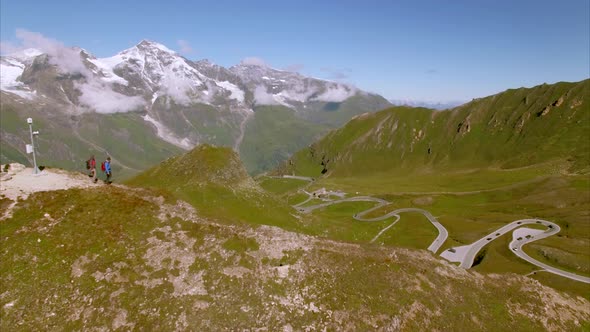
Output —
(153, 46)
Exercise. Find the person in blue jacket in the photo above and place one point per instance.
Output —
(107, 170)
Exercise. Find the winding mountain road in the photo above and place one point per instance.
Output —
(465, 255)
(434, 246)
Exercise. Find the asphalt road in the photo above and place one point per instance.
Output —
(516, 247)
(434, 246)
(465, 255)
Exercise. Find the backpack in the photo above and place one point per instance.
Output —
(88, 164)
(102, 168)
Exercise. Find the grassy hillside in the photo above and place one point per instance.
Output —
(215, 181)
(200, 122)
(272, 135)
(70, 136)
(512, 129)
(523, 153)
(121, 258)
(337, 114)
(66, 141)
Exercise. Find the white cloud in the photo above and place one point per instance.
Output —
(67, 59)
(96, 94)
(337, 93)
(185, 46)
(261, 97)
(179, 87)
(100, 97)
(254, 61)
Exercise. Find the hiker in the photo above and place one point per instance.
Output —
(106, 168)
(91, 165)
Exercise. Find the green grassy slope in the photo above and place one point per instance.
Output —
(126, 137)
(524, 153)
(67, 141)
(272, 135)
(116, 258)
(512, 129)
(337, 114)
(214, 180)
(201, 122)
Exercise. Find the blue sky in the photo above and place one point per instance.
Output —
(419, 50)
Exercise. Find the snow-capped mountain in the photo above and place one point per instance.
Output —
(158, 71)
(12, 67)
(272, 86)
(152, 70)
(184, 102)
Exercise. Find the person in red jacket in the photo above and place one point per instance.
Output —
(91, 163)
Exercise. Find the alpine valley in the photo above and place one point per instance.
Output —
(474, 218)
(147, 103)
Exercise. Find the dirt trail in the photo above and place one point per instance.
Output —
(21, 182)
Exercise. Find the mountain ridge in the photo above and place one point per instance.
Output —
(514, 128)
(184, 102)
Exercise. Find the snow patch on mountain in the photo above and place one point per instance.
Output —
(179, 81)
(106, 65)
(26, 55)
(160, 47)
(235, 92)
(161, 68)
(10, 71)
(167, 135)
(12, 67)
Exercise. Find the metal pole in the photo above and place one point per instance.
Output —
(35, 169)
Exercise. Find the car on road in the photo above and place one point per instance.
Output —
(489, 238)
(497, 234)
(520, 222)
(514, 249)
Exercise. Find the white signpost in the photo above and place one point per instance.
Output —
(31, 147)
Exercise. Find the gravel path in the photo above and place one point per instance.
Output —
(21, 182)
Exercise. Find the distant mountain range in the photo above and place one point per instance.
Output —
(437, 105)
(150, 100)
